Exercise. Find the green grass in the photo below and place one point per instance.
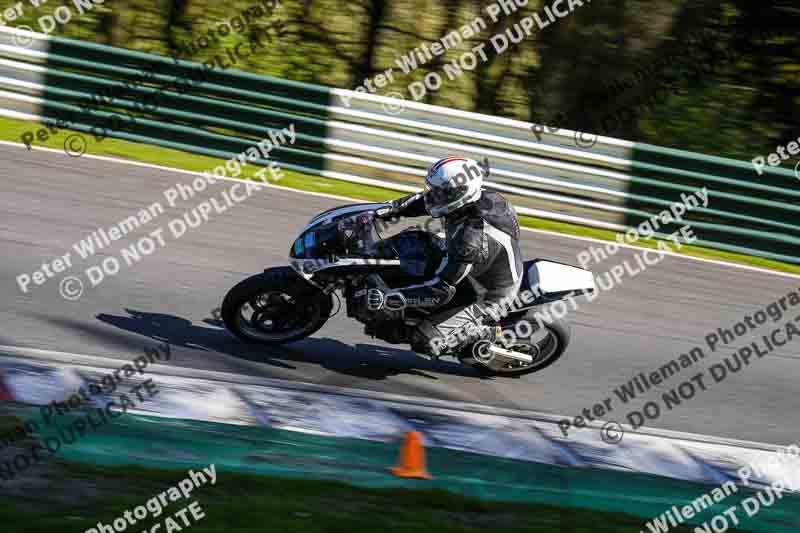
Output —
(12, 129)
(240, 503)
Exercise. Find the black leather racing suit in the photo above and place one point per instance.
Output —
(482, 248)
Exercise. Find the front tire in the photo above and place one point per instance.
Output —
(275, 307)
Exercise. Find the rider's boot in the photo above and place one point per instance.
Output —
(433, 348)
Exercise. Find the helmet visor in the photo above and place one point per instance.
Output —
(442, 196)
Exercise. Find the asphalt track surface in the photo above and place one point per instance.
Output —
(48, 201)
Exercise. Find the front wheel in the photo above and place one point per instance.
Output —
(545, 346)
(275, 307)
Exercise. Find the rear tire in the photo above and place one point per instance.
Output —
(285, 308)
(559, 334)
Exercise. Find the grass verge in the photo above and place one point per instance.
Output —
(12, 130)
(79, 496)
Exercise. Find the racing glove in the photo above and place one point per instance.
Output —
(380, 299)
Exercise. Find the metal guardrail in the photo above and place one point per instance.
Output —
(358, 137)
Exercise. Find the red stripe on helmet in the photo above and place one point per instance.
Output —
(438, 165)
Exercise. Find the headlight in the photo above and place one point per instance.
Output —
(319, 242)
(298, 250)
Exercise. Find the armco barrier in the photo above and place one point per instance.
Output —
(360, 138)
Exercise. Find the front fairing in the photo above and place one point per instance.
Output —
(337, 213)
(327, 245)
(321, 245)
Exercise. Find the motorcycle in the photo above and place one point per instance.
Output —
(341, 251)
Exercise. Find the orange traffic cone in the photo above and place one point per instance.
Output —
(412, 458)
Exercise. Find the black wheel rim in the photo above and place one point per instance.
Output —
(274, 316)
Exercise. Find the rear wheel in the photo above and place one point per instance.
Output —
(275, 307)
(545, 346)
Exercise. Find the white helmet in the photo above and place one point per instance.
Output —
(451, 184)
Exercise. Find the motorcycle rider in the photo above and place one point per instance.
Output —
(482, 238)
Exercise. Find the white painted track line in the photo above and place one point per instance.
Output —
(348, 199)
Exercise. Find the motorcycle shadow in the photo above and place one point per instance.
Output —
(360, 360)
